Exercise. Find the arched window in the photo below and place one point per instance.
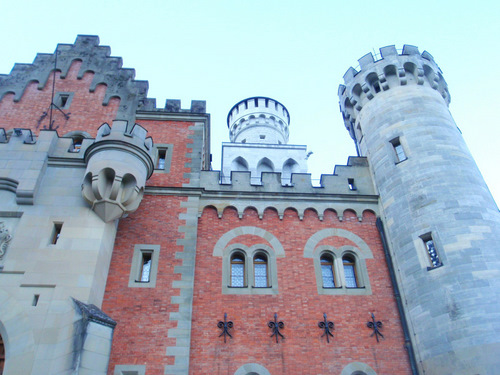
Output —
(238, 270)
(260, 271)
(327, 271)
(350, 271)
(2, 355)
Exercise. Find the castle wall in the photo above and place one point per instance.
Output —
(143, 313)
(39, 278)
(296, 299)
(434, 192)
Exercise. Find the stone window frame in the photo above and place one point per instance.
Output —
(395, 142)
(76, 135)
(168, 148)
(130, 370)
(423, 252)
(56, 232)
(58, 98)
(362, 279)
(136, 266)
(249, 253)
(335, 272)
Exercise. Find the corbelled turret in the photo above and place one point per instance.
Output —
(118, 165)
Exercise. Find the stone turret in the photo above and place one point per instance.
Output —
(258, 120)
(258, 130)
(118, 165)
(442, 224)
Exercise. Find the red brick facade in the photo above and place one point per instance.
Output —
(298, 304)
(86, 111)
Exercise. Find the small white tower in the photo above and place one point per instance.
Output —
(258, 130)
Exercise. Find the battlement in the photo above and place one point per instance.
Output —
(173, 106)
(124, 137)
(257, 113)
(349, 188)
(351, 179)
(392, 69)
(94, 58)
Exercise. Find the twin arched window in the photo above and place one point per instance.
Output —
(329, 277)
(259, 272)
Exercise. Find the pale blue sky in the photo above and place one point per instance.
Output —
(293, 51)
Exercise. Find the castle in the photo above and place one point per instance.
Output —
(122, 252)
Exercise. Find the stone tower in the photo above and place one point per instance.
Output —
(442, 224)
(258, 130)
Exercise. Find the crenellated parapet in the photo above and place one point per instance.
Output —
(95, 59)
(173, 106)
(391, 70)
(118, 165)
(23, 161)
(259, 120)
(349, 188)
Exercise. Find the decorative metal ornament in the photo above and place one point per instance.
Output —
(276, 326)
(375, 325)
(225, 326)
(326, 326)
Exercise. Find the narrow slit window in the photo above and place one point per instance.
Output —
(431, 251)
(144, 266)
(260, 271)
(351, 184)
(36, 297)
(238, 271)
(327, 271)
(56, 233)
(399, 150)
(145, 273)
(162, 155)
(351, 280)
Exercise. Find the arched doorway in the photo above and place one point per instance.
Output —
(2, 355)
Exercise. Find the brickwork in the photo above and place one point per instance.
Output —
(26, 112)
(142, 314)
(175, 133)
(298, 304)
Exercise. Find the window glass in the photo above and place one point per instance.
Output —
(260, 271)
(146, 267)
(238, 271)
(162, 154)
(349, 272)
(327, 271)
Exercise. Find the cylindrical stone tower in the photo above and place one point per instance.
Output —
(442, 224)
(258, 120)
